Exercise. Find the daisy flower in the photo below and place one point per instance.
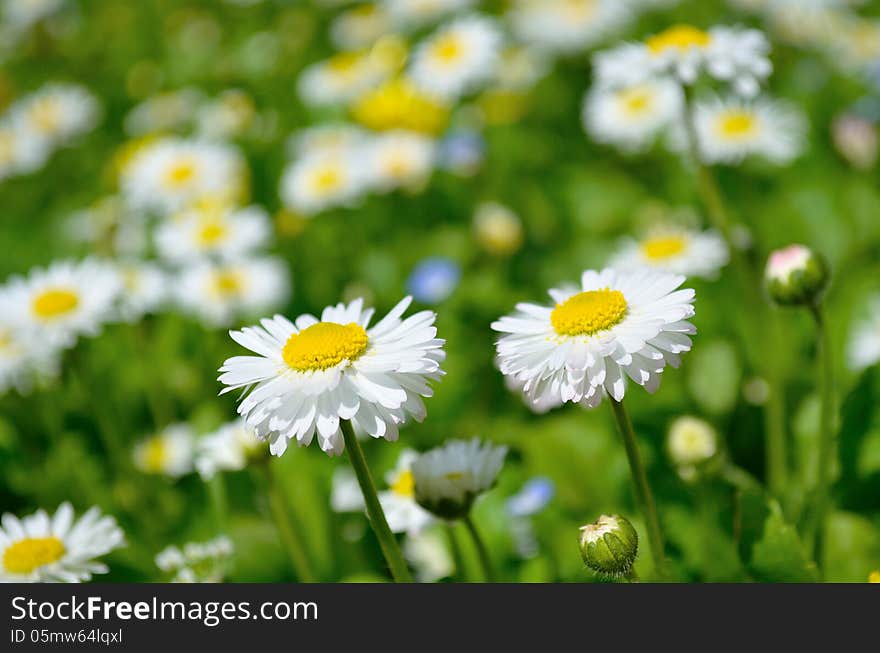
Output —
(197, 562)
(22, 359)
(213, 231)
(497, 228)
(143, 289)
(219, 293)
(169, 452)
(21, 151)
(360, 27)
(57, 112)
(449, 478)
(631, 117)
(63, 301)
(620, 324)
(730, 130)
(427, 552)
(329, 139)
(227, 449)
(728, 54)
(864, 345)
(318, 182)
(457, 58)
(165, 112)
(340, 79)
(399, 159)
(399, 503)
(677, 250)
(227, 116)
(309, 374)
(414, 13)
(56, 549)
(171, 173)
(566, 26)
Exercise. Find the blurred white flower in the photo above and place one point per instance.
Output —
(165, 112)
(227, 116)
(21, 151)
(690, 442)
(398, 159)
(22, 14)
(566, 26)
(415, 13)
(212, 230)
(169, 452)
(24, 359)
(227, 449)
(360, 27)
(428, 554)
(675, 249)
(318, 182)
(144, 289)
(56, 113)
(197, 562)
(404, 515)
(863, 349)
(342, 78)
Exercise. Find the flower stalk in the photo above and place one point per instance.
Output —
(480, 546)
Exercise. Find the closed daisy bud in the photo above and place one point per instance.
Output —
(795, 275)
(609, 546)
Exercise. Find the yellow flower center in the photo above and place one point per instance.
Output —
(46, 116)
(327, 180)
(448, 49)
(7, 147)
(324, 345)
(180, 173)
(55, 302)
(344, 63)
(579, 9)
(636, 101)
(679, 37)
(737, 124)
(228, 282)
(28, 554)
(589, 312)
(397, 104)
(663, 247)
(404, 484)
(211, 232)
(453, 476)
(155, 455)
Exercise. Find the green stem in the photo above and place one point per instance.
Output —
(390, 548)
(287, 529)
(482, 551)
(643, 490)
(826, 429)
(455, 550)
(217, 493)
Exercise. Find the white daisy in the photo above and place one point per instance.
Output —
(864, 345)
(172, 173)
(730, 130)
(197, 562)
(318, 182)
(63, 301)
(398, 159)
(360, 27)
(220, 293)
(415, 13)
(691, 441)
(733, 55)
(168, 452)
(227, 449)
(221, 232)
(404, 515)
(428, 554)
(24, 359)
(457, 58)
(566, 26)
(21, 151)
(311, 373)
(165, 112)
(56, 112)
(449, 478)
(328, 139)
(227, 116)
(57, 549)
(631, 117)
(675, 249)
(621, 324)
(144, 289)
(341, 79)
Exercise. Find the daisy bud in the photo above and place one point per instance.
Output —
(795, 275)
(609, 545)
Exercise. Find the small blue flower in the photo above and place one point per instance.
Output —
(433, 280)
(462, 152)
(532, 498)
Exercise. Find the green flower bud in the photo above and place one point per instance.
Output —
(609, 546)
(796, 275)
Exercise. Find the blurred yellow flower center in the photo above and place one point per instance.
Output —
(55, 302)
(46, 116)
(327, 180)
(324, 345)
(735, 124)
(636, 100)
(404, 484)
(663, 247)
(453, 476)
(579, 9)
(589, 312)
(211, 232)
(180, 173)
(5, 340)
(679, 37)
(228, 282)
(28, 554)
(398, 105)
(7, 147)
(448, 48)
(155, 455)
(344, 63)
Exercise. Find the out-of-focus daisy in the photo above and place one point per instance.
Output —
(23, 359)
(433, 280)
(675, 249)
(449, 478)
(631, 117)
(171, 173)
(457, 58)
(227, 116)
(211, 230)
(321, 181)
(56, 112)
(309, 374)
(520, 68)
(399, 159)
(21, 151)
(622, 323)
(197, 562)
(398, 104)
(414, 13)
(497, 228)
(329, 139)
(360, 26)
(340, 79)
(691, 442)
(404, 515)
(21, 14)
(63, 301)
(855, 138)
(164, 112)
(427, 553)
(56, 549)
(864, 345)
(143, 289)
(730, 130)
(168, 452)
(229, 448)
(729, 54)
(220, 293)
(566, 26)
